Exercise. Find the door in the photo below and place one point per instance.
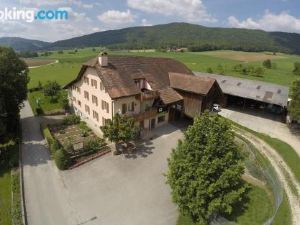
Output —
(152, 123)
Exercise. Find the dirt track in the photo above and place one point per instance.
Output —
(283, 171)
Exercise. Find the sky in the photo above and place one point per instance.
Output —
(88, 16)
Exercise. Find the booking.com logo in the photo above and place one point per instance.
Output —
(30, 15)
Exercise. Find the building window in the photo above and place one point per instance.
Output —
(101, 86)
(105, 106)
(131, 107)
(161, 119)
(86, 95)
(79, 103)
(95, 100)
(86, 80)
(87, 109)
(124, 108)
(105, 121)
(94, 83)
(95, 115)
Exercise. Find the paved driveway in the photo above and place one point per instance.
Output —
(126, 190)
(265, 125)
(112, 190)
(45, 195)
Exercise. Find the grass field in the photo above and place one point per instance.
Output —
(69, 64)
(245, 56)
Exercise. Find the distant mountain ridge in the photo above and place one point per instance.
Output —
(23, 44)
(196, 37)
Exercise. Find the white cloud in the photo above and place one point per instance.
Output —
(116, 18)
(190, 10)
(269, 22)
(44, 2)
(146, 23)
(77, 24)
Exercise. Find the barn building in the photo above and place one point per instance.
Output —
(252, 94)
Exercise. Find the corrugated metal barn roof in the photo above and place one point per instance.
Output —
(251, 89)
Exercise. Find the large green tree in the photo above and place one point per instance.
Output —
(294, 106)
(13, 88)
(205, 170)
(119, 129)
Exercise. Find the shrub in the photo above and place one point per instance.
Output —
(39, 111)
(51, 89)
(71, 120)
(54, 147)
(47, 134)
(84, 129)
(62, 159)
(267, 64)
(94, 145)
(296, 70)
(209, 70)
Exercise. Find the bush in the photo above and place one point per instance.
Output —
(51, 88)
(94, 145)
(267, 64)
(209, 70)
(296, 70)
(71, 120)
(84, 129)
(62, 159)
(39, 111)
(47, 134)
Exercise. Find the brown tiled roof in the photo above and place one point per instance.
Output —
(193, 84)
(169, 95)
(118, 77)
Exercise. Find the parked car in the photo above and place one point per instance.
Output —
(216, 108)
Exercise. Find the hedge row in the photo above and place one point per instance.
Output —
(61, 157)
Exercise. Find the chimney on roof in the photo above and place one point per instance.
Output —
(103, 59)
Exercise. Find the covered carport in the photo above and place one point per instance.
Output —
(252, 94)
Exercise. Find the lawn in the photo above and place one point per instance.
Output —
(257, 210)
(48, 106)
(61, 72)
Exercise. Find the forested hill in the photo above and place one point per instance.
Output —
(187, 35)
(196, 37)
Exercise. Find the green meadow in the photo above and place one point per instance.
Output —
(70, 62)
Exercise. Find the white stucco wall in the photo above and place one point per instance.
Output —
(90, 73)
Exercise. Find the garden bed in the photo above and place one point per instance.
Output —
(72, 143)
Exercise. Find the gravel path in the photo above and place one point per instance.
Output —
(284, 173)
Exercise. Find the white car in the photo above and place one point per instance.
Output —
(216, 108)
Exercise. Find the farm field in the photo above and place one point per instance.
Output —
(71, 60)
(245, 56)
(37, 62)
